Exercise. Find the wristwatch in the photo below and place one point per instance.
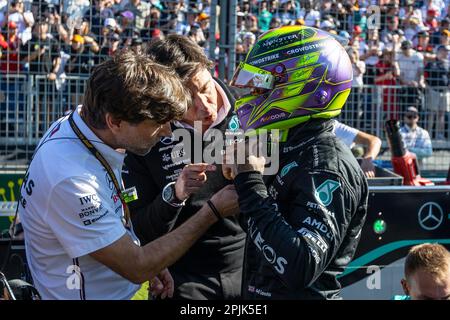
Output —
(169, 196)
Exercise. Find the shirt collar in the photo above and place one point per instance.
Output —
(221, 114)
(114, 157)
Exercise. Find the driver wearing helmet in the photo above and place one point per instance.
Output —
(304, 223)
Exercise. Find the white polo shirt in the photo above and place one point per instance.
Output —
(70, 209)
(345, 133)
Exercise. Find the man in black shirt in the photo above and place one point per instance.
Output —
(437, 77)
(43, 52)
(171, 191)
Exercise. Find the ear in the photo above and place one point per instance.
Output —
(405, 286)
(112, 123)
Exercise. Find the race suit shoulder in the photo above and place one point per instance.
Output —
(304, 224)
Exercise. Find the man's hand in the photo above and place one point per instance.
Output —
(368, 167)
(251, 162)
(162, 285)
(226, 201)
(191, 179)
(51, 76)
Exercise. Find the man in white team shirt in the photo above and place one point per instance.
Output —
(349, 136)
(78, 242)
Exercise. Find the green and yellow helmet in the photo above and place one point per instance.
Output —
(293, 74)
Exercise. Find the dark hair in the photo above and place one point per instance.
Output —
(180, 53)
(132, 87)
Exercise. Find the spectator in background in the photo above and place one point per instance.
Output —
(245, 42)
(251, 24)
(275, 23)
(437, 77)
(410, 11)
(431, 21)
(141, 12)
(415, 138)
(427, 273)
(445, 38)
(424, 47)
(351, 136)
(436, 35)
(391, 28)
(289, 12)
(264, 17)
(411, 66)
(387, 72)
(410, 27)
(370, 51)
(310, 15)
(355, 100)
(23, 20)
(10, 62)
(43, 53)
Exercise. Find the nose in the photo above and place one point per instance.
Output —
(202, 103)
(165, 131)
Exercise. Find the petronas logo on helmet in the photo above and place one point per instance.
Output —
(324, 193)
(233, 125)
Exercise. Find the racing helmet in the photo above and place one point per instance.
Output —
(291, 75)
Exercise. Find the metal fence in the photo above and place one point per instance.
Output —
(29, 104)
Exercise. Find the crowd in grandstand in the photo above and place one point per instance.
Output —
(391, 42)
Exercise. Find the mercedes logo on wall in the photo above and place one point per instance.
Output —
(430, 216)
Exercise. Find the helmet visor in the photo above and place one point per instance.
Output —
(248, 76)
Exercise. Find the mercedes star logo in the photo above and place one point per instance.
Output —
(430, 216)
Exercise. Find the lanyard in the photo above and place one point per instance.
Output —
(104, 163)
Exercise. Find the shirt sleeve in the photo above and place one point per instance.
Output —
(345, 133)
(81, 220)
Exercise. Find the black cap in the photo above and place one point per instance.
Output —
(136, 41)
(442, 47)
(422, 33)
(406, 44)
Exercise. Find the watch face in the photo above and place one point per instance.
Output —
(168, 193)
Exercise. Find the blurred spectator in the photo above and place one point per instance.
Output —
(435, 36)
(445, 38)
(251, 24)
(415, 138)
(424, 47)
(387, 72)
(310, 15)
(411, 66)
(437, 77)
(244, 43)
(410, 11)
(196, 34)
(43, 52)
(289, 12)
(370, 51)
(141, 12)
(81, 62)
(264, 17)
(431, 21)
(23, 20)
(275, 23)
(391, 28)
(356, 99)
(10, 62)
(427, 273)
